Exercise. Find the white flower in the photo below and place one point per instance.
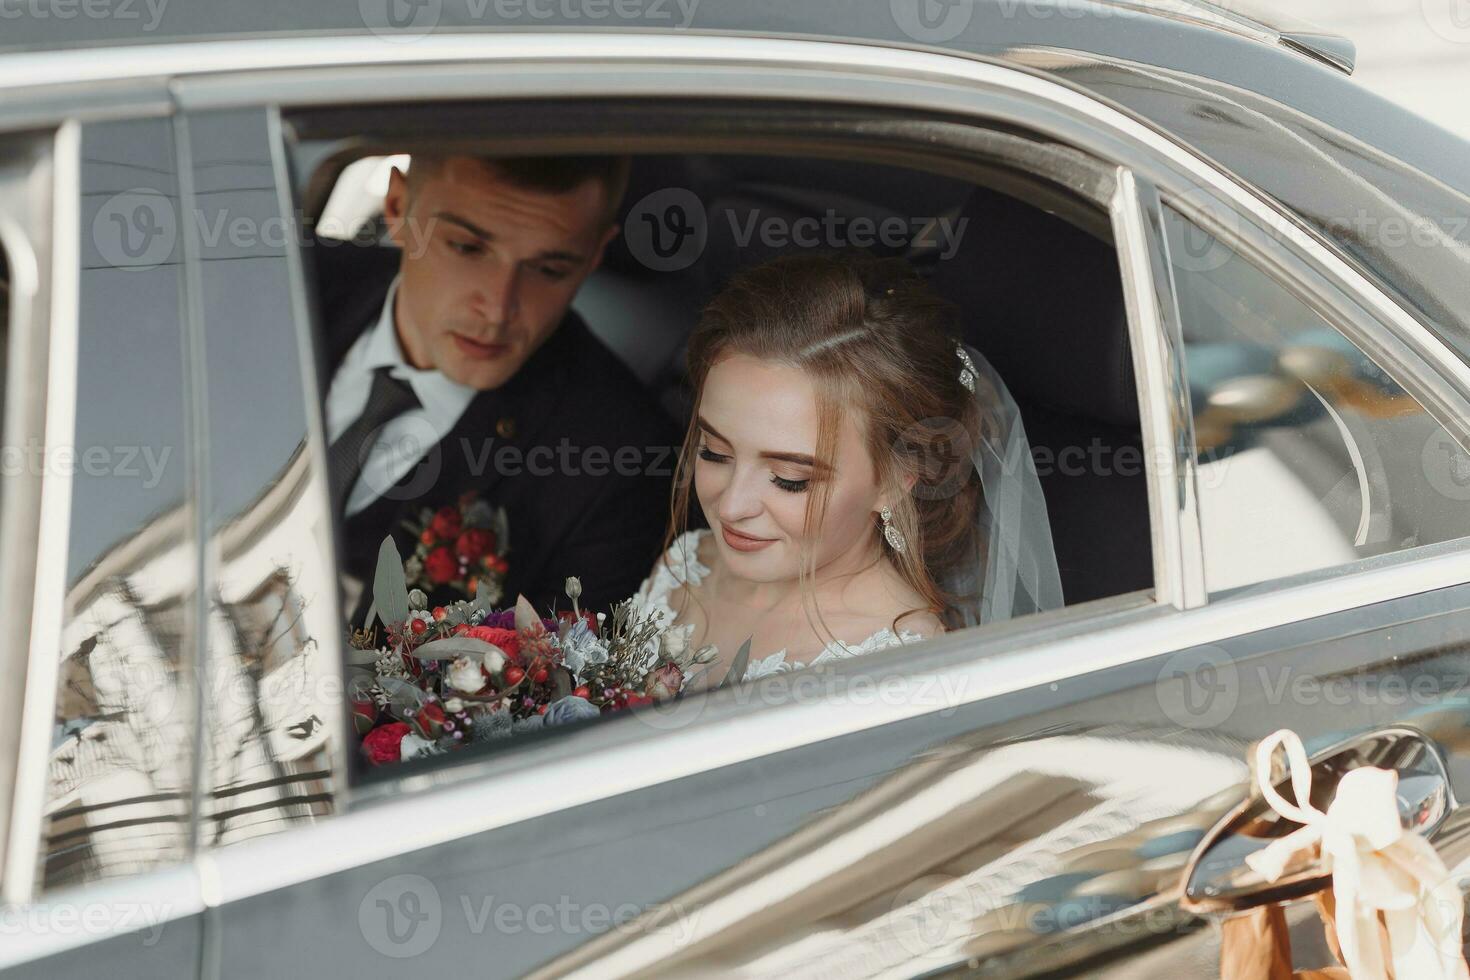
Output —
(413, 746)
(454, 706)
(495, 659)
(574, 587)
(676, 641)
(464, 675)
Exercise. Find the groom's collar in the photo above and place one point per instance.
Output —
(440, 396)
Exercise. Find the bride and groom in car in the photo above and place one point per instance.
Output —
(865, 477)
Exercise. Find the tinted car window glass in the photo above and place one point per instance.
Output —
(272, 625)
(119, 784)
(1310, 454)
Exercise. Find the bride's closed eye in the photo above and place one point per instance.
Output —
(790, 486)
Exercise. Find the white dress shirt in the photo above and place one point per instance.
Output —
(406, 439)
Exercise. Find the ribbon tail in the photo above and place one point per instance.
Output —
(1439, 913)
(1357, 924)
(1271, 861)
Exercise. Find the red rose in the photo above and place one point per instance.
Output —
(474, 543)
(446, 523)
(441, 566)
(384, 743)
(507, 640)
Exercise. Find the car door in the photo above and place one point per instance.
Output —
(1022, 799)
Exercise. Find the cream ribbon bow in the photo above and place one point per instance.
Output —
(1376, 867)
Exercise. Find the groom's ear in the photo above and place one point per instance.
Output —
(607, 237)
(395, 207)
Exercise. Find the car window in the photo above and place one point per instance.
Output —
(584, 535)
(1310, 454)
(118, 785)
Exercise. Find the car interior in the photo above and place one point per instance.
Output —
(1039, 294)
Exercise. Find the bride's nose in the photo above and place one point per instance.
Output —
(742, 497)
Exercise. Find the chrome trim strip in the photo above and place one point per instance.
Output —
(585, 769)
(48, 605)
(316, 437)
(25, 233)
(1145, 329)
(1164, 406)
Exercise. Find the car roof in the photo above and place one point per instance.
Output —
(1283, 121)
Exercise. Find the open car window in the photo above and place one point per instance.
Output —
(688, 223)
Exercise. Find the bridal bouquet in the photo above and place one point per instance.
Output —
(432, 680)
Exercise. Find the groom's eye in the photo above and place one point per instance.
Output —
(466, 248)
(552, 272)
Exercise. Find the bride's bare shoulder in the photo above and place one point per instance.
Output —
(887, 601)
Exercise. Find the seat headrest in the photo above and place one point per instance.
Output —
(1043, 301)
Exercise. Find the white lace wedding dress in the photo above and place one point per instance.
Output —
(681, 567)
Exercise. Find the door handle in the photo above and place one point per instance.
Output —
(1217, 879)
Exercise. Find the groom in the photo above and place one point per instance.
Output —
(453, 363)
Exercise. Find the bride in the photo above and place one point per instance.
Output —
(866, 479)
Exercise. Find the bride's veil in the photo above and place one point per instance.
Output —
(1010, 566)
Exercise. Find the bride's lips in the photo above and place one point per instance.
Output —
(744, 542)
(477, 350)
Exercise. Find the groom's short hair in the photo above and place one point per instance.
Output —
(551, 175)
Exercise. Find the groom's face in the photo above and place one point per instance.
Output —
(489, 268)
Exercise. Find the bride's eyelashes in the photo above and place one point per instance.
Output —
(790, 486)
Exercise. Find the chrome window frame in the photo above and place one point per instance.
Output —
(55, 266)
(617, 758)
(1165, 416)
(41, 251)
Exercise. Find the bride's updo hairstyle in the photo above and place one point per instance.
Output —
(879, 344)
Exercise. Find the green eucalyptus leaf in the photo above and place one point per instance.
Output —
(737, 669)
(390, 588)
(454, 647)
(359, 658)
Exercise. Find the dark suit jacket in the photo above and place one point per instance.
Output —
(573, 447)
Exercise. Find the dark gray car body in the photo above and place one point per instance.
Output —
(1330, 156)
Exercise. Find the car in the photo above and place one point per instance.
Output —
(1226, 284)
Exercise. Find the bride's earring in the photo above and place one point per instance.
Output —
(891, 534)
